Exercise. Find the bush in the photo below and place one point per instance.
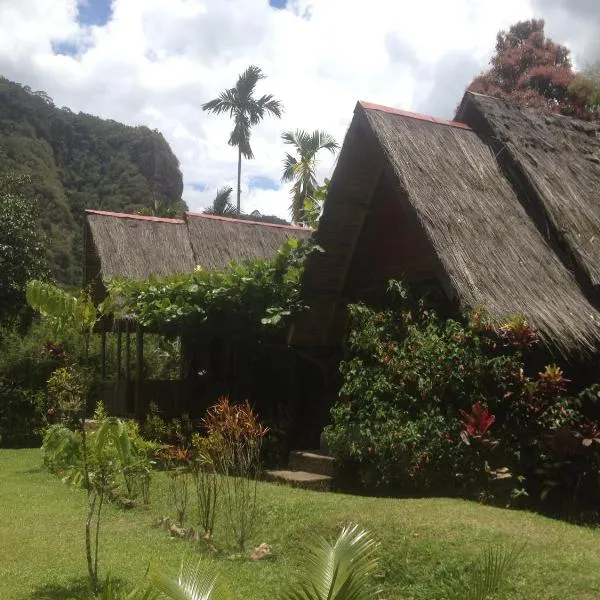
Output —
(433, 405)
(25, 366)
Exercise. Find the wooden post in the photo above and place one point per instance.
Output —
(103, 356)
(127, 354)
(139, 363)
(119, 347)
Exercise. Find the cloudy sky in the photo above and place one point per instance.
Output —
(154, 62)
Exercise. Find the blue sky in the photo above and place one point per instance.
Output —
(94, 12)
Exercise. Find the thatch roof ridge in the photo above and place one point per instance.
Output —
(107, 213)
(140, 246)
(247, 221)
(218, 241)
(411, 115)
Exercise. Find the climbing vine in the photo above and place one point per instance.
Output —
(248, 298)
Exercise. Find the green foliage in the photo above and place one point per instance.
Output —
(67, 314)
(338, 571)
(22, 255)
(246, 300)
(238, 434)
(221, 205)
(25, 366)
(108, 462)
(301, 170)
(193, 583)
(313, 205)
(77, 161)
(432, 405)
(487, 576)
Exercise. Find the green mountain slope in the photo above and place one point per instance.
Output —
(78, 161)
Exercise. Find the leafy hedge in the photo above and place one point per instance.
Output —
(444, 406)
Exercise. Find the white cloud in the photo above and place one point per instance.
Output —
(156, 61)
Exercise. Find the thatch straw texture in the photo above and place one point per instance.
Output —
(137, 247)
(559, 158)
(218, 241)
(490, 252)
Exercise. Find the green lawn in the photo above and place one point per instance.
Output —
(41, 540)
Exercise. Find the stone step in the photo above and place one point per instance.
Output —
(301, 479)
(312, 461)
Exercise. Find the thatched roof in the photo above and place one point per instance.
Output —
(136, 246)
(218, 241)
(556, 162)
(426, 198)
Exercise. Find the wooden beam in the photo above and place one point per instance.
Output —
(139, 364)
(119, 355)
(103, 355)
(127, 354)
(350, 255)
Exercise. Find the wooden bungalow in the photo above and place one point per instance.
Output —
(137, 247)
(500, 207)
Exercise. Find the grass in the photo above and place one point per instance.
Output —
(423, 540)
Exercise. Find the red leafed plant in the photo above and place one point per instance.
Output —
(518, 333)
(476, 425)
(552, 381)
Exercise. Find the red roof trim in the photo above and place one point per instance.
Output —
(106, 213)
(412, 115)
(246, 222)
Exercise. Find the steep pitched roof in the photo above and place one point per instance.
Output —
(135, 246)
(484, 247)
(555, 160)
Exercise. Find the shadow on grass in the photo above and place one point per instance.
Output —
(76, 589)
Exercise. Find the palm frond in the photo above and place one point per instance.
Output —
(193, 583)
(340, 571)
(247, 82)
(222, 203)
(289, 166)
(487, 576)
(226, 102)
(321, 140)
(267, 104)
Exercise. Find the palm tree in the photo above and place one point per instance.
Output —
(302, 170)
(246, 111)
(221, 204)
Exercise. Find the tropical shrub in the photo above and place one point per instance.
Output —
(26, 363)
(207, 483)
(440, 405)
(237, 431)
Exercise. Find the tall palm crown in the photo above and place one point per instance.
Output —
(246, 111)
(302, 169)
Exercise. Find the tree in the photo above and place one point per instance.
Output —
(22, 255)
(221, 204)
(246, 111)
(302, 169)
(531, 70)
(158, 208)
